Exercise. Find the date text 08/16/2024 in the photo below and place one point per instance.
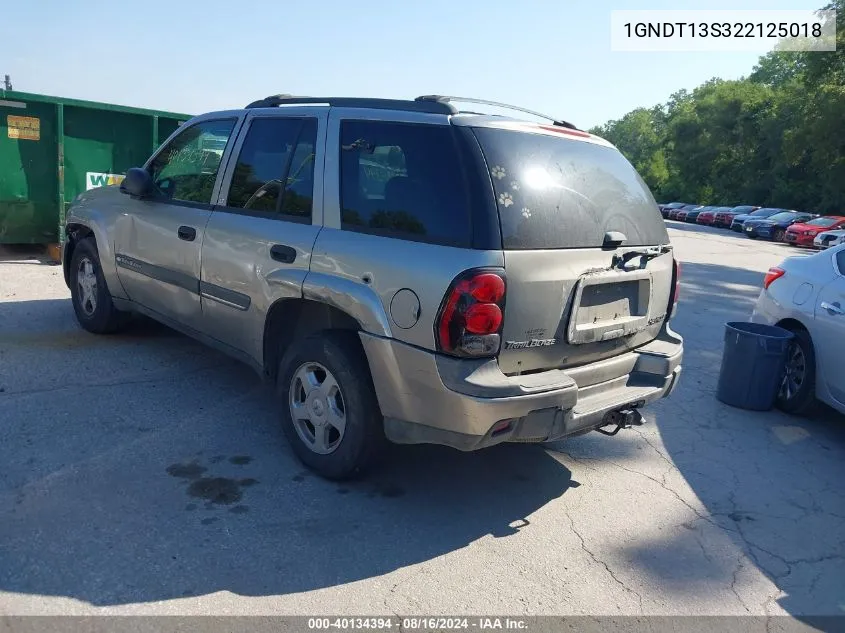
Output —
(417, 623)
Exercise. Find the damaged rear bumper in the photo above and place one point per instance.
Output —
(470, 404)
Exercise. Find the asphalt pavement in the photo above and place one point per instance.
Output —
(143, 473)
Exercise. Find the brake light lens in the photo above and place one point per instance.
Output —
(487, 288)
(773, 273)
(565, 130)
(470, 319)
(483, 318)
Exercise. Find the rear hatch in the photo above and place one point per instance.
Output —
(575, 295)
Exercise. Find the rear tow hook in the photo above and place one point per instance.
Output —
(623, 419)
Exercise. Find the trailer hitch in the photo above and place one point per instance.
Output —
(622, 419)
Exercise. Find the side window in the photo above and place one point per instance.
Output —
(275, 169)
(187, 168)
(403, 180)
(840, 262)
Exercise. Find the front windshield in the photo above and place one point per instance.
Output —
(786, 215)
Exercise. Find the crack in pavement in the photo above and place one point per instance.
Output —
(598, 561)
(662, 484)
(749, 549)
(735, 577)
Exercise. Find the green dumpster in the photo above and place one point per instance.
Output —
(52, 149)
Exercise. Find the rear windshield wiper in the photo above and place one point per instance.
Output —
(647, 254)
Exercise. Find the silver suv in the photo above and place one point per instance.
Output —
(400, 270)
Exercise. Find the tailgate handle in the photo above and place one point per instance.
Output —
(614, 238)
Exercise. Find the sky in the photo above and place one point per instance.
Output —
(193, 56)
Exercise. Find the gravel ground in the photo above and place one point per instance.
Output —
(703, 510)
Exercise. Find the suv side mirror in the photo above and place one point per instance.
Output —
(137, 183)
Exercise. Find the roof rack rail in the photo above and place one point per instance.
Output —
(448, 99)
(432, 107)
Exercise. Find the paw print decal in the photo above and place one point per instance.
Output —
(505, 199)
(515, 185)
(498, 172)
(526, 213)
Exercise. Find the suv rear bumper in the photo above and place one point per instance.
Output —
(429, 398)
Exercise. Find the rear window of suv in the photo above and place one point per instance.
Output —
(553, 192)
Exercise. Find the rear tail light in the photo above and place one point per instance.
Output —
(469, 322)
(773, 273)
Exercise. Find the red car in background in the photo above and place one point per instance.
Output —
(725, 216)
(707, 217)
(804, 233)
(681, 214)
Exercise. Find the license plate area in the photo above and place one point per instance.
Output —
(609, 305)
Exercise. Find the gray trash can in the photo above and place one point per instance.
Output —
(753, 363)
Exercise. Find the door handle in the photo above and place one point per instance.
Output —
(833, 308)
(187, 233)
(282, 253)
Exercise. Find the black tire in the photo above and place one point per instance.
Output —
(99, 316)
(778, 235)
(803, 400)
(363, 441)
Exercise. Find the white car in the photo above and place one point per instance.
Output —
(829, 239)
(806, 295)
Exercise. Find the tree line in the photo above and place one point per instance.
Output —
(774, 138)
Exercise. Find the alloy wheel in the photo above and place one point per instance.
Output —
(86, 281)
(795, 374)
(317, 408)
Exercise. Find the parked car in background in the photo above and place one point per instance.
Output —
(716, 210)
(691, 215)
(775, 226)
(681, 214)
(706, 216)
(666, 208)
(806, 295)
(724, 218)
(804, 233)
(673, 213)
(829, 239)
(738, 221)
